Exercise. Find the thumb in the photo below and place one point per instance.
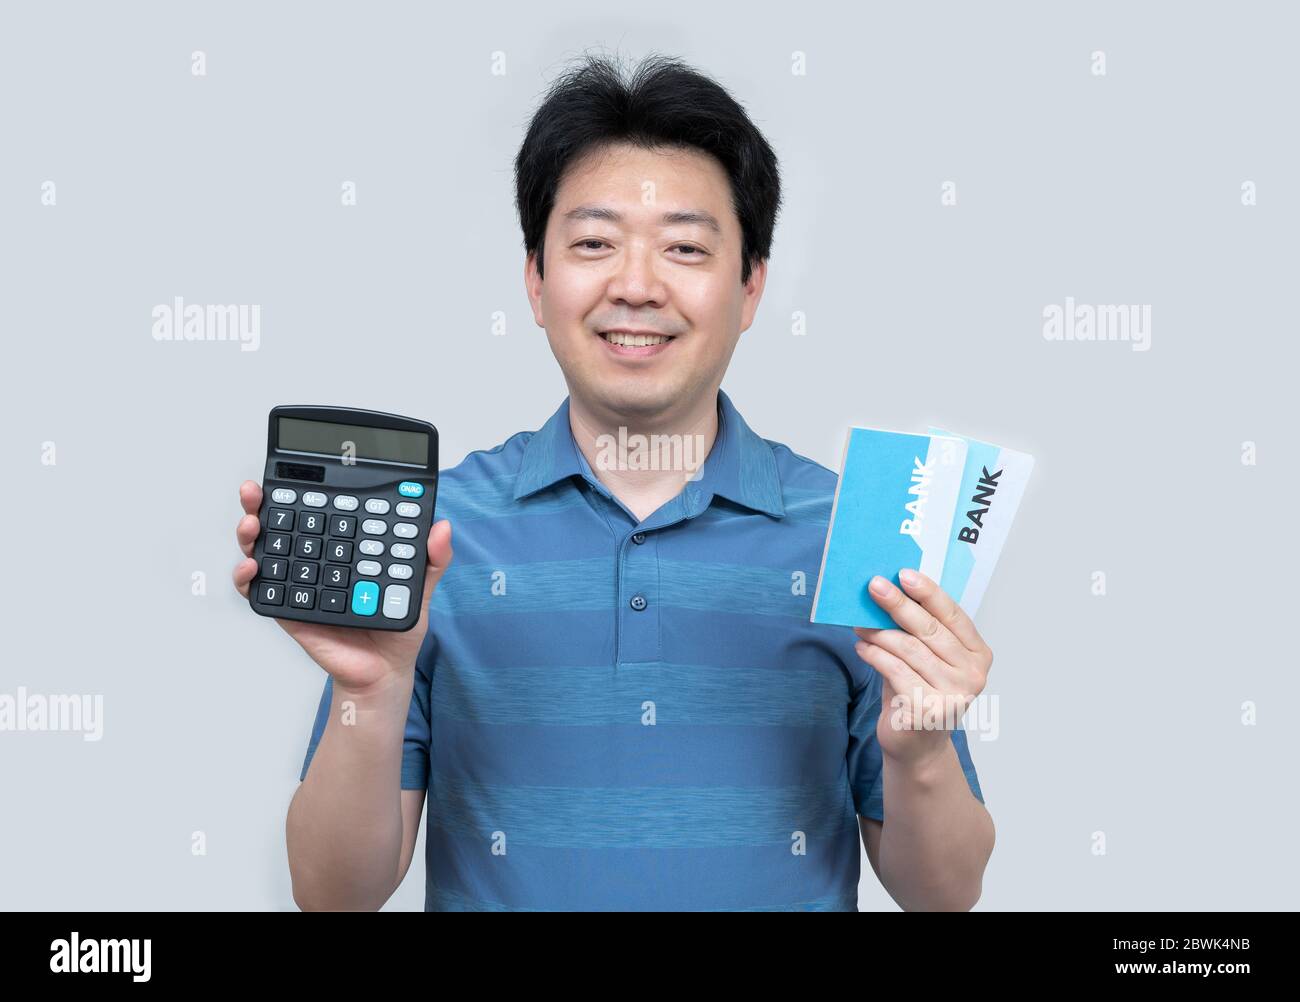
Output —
(440, 554)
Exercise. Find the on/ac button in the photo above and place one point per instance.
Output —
(410, 489)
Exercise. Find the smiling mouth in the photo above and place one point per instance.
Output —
(634, 340)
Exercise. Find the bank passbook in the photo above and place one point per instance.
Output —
(347, 502)
(992, 485)
(940, 503)
(893, 508)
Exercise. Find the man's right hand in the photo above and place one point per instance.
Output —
(359, 660)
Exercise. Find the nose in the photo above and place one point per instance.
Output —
(636, 279)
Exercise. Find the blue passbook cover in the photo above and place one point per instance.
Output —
(893, 508)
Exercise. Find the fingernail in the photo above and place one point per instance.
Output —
(909, 577)
(879, 585)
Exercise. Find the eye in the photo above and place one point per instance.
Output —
(697, 252)
(583, 244)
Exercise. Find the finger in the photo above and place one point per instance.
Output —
(250, 496)
(440, 554)
(894, 670)
(244, 572)
(942, 607)
(246, 533)
(935, 673)
(917, 621)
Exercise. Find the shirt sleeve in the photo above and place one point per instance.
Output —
(865, 761)
(418, 734)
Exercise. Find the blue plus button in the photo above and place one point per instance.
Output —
(365, 598)
(410, 489)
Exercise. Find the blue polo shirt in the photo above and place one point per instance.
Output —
(620, 714)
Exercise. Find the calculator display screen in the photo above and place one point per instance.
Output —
(387, 445)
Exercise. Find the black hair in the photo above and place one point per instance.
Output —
(665, 103)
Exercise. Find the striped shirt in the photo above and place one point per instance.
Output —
(615, 714)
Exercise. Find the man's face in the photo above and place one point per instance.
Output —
(631, 244)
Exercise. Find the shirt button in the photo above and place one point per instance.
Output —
(638, 602)
(639, 538)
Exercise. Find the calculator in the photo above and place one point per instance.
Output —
(347, 502)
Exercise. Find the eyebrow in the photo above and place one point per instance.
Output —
(682, 217)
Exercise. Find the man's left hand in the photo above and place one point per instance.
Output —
(932, 668)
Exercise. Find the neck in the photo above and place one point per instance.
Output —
(652, 470)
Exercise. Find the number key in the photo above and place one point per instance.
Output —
(270, 593)
(274, 568)
(311, 521)
(280, 519)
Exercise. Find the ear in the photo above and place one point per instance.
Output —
(753, 290)
(533, 286)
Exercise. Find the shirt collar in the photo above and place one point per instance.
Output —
(740, 465)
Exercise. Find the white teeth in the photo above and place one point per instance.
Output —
(634, 340)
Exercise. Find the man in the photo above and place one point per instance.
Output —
(614, 698)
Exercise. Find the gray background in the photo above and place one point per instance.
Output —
(1119, 714)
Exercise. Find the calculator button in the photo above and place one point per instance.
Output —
(399, 571)
(370, 568)
(371, 547)
(402, 551)
(333, 601)
(304, 573)
(311, 521)
(408, 509)
(343, 525)
(302, 598)
(410, 489)
(282, 495)
(336, 577)
(270, 593)
(406, 530)
(280, 519)
(345, 502)
(339, 550)
(277, 543)
(308, 546)
(314, 499)
(377, 506)
(374, 526)
(274, 568)
(365, 598)
(397, 599)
